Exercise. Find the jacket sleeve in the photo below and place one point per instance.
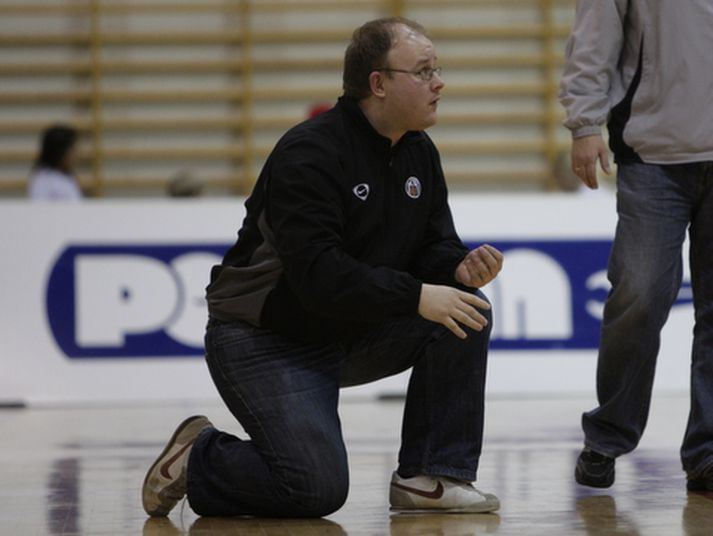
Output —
(305, 212)
(442, 248)
(591, 58)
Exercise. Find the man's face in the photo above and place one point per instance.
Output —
(411, 102)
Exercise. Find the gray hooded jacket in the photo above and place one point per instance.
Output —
(645, 67)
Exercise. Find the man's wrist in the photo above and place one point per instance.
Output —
(585, 131)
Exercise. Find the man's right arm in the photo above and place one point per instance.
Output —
(585, 153)
(452, 308)
(592, 55)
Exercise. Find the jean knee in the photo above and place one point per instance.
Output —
(640, 303)
(478, 337)
(319, 496)
(487, 313)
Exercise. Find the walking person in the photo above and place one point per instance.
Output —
(643, 68)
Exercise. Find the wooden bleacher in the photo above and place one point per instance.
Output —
(159, 87)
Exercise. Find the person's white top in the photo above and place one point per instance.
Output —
(53, 185)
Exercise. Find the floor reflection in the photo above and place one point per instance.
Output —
(698, 514)
(600, 517)
(86, 479)
(63, 497)
(443, 524)
(212, 526)
(647, 498)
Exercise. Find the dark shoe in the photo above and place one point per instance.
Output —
(699, 484)
(701, 481)
(594, 469)
(165, 482)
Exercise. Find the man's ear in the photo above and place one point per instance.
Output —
(376, 83)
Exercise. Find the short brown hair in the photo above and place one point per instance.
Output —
(367, 52)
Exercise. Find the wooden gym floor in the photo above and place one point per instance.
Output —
(78, 471)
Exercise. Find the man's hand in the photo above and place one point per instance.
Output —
(585, 153)
(479, 267)
(451, 307)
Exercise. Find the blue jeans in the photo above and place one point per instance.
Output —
(656, 204)
(285, 395)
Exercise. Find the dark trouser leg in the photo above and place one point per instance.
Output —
(285, 395)
(697, 449)
(645, 269)
(442, 430)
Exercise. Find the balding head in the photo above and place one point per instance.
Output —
(368, 51)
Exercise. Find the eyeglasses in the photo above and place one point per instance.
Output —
(425, 74)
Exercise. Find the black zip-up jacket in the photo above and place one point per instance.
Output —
(340, 232)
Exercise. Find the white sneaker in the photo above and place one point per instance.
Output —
(438, 493)
(165, 482)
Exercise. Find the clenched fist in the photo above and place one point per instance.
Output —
(479, 267)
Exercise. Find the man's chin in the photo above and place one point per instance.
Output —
(430, 121)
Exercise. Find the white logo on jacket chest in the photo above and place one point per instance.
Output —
(361, 191)
(413, 187)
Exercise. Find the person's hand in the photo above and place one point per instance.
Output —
(585, 153)
(451, 307)
(479, 267)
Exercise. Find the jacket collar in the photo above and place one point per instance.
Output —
(380, 143)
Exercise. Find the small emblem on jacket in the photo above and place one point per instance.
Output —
(413, 187)
(361, 191)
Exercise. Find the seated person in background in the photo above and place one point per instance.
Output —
(347, 269)
(185, 184)
(52, 177)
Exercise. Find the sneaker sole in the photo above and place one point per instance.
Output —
(491, 504)
(594, 482)
(162, 510)
(472, 510)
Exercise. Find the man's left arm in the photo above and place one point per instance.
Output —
(479, 267)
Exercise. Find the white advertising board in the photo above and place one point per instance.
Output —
(103, 300)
